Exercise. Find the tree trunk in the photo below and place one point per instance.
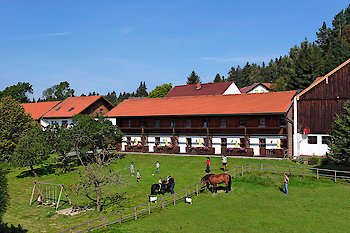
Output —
(98, 199)
(31, 167)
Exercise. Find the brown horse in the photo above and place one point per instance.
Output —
(217, 179)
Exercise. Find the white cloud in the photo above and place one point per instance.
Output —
(53, 34)
(236, 59)
(125, 30)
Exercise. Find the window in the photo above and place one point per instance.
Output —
(101, 111)
(65, 124)
(283, 121)
(157, 124)
(58, 108)
(172, 123)
(205, 123)
(262, 122)
(70, 109)
(242, 122)
(143, 123)
(242, 142)
(188, 123)
(312, 139)
(157, 141)
(325, 139)
(91, 111)
(129, 124)
(223, 123)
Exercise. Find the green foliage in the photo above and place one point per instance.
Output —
(58, 92)
(13, 122)
(339, 142)
(160, 91)
(218, 79)
(18, 92)
(3, 193)
(142, 90)
(4, 228)
(32, 148)
(304, 63)
(193, 78)
(314, 160)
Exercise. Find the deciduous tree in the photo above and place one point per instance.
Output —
(18, 92)
(13, 122)
(58, 92)
(160, 91)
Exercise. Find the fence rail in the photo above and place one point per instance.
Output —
(145, 209)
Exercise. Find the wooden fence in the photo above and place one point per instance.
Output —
(148, 208)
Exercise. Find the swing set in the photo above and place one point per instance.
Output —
(48, 193)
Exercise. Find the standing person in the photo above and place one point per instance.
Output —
(138, 176)
(286, 181)
(160, 183)
(224, 162)
(132, 168)
(172, 182)
(157, 166)
(208, 165)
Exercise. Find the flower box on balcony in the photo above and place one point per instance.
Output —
(239, 151)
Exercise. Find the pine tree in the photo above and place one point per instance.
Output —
(339, 142)
(217, 79)
(193, 78)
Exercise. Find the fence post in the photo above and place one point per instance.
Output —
(317, 172)
(135, 213)
(89, 226)
(186, 192)
(197, 190)
(335, 176)
(290, 173)
(275, 169)
(249, 168)
(174, 199)
(261, 167)
(120, 217)
(303, 172)
(149, 208)
(70, 230)
(163, 202)
(105, 222)
(234, 172)
(242, 170)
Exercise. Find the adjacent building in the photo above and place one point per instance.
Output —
(63, 112)
(253, 123)
(257, 88)
(38, 110)
(314, 109)
(222, 88)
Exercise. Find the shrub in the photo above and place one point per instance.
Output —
(313, 160)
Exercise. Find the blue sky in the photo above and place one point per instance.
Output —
(105, 45)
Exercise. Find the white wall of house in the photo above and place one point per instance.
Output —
(46, 122)
(124, 143)
(258, 89)
(182, 144)
(254, 143)
(232, 89)
(216, 143)
(113, 120)
(318, 149)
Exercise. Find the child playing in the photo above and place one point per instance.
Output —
(138, 176)
(160, 183)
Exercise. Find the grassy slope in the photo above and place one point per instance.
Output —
(187, 171)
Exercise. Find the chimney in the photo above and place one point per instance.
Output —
(199, 86)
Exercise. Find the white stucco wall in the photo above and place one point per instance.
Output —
(113, 120)
(216, 143)
(182, 144)
(232, 89)
(258, 89)
(46, 122)
(318, 149)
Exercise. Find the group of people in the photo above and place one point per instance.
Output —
(169, 180)
(224, 164)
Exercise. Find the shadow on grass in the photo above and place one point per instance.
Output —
(47, 169)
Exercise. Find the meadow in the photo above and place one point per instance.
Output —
(256, 202)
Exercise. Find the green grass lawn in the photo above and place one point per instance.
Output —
(255, 203)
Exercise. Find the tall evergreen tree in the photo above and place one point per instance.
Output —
(339, 142)
(218, 79)
(193, 78)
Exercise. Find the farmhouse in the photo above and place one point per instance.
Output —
(38, 110)
(242, 124)
(257, 88)
(314, 109)
(63, 112)
(222, 88)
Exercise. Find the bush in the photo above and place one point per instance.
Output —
(313, 160)
(4, 228)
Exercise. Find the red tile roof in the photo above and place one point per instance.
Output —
(37, 110)
(206, 89)
(72, 106)
(248, 88)
(257, 103)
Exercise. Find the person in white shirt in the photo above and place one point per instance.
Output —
(224, 162)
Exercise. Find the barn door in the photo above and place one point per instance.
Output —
(262, 146)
